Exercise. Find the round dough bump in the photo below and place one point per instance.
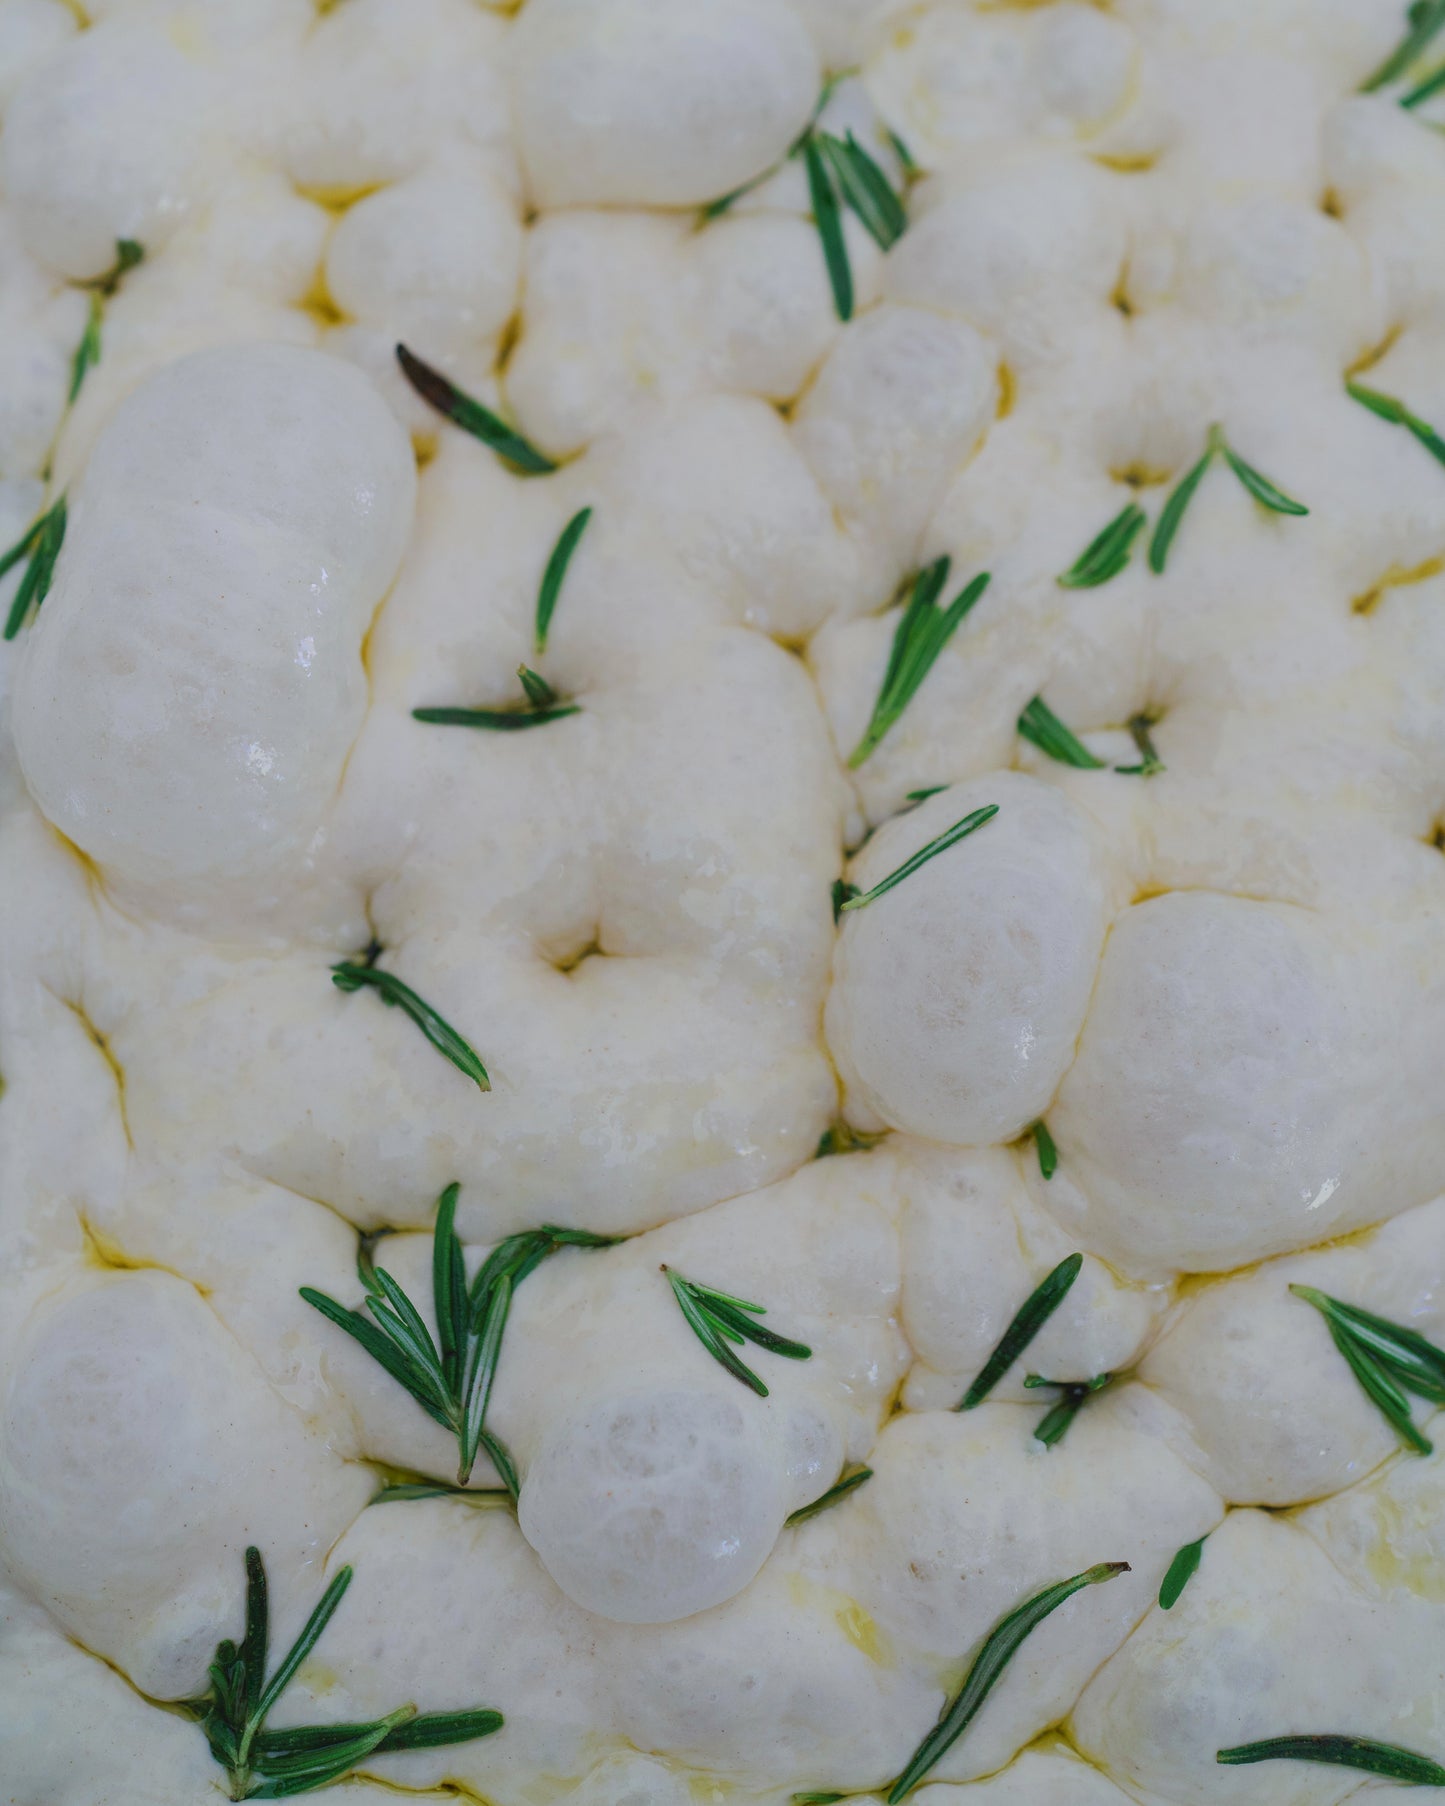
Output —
(958, 995)
(657, 103)
(190, 690)
(649, 1506)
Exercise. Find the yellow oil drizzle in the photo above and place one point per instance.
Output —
(1397, 577)
(856, 1624)
(106, 1254)
(117, 1071)
(1007, 390)
(1422, 1574)
(1367, 359)
(1128, 163)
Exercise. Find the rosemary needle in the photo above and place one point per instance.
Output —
(556, 570)
(999, 1647)
(1074, 1395)
(41, 544)
(1028, 1320)
(349, 976)
(1268, 494)
(539, 705)
(1181, 1571)
(1425, 20)
(1048, 1153)
(1345, 1752)
(940, 844)
(828, 218)
(1389, 408)
(840, 1490)
(469, 414)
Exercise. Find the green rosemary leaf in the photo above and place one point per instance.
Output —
(383, 1351)
(348, 976)
(463, 411)
(714, 209)
(940, 844)
(321, 1616)
(865, 188)
(87, 352)
(1181, 1571)
(497, 720)
(556, 570)
(999, 1648)
(579, 1238)
(128, 253)
(1346, 1752)
(1388, 408)
(252, 1653)
(1074, 1395)
(922, 796)
(1426, 90)
(829, 222)
(1028, 1320)
(843, 893)
(1047, 1152)
(1150, 764)
(501, 1459)
(818, 1799)
(1173, 511)
(1042, 726)
(286, 1774)
(849, 1483)
(481, 1371)
(449, 1285)
(409, 1730)
(1425, 21)
(922, 632)
(1259, 486)
(1384, 1358)
(46, 538)
(1106, 554)
(405, 1312)
(727, 1317)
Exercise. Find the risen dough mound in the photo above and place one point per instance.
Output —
(107, 142)
(192, 687)
(1231, 1097)
(958, 996)
(127, 1394)
(653, 1506)
(661, 103)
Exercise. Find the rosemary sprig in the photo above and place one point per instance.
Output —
(849, 1483)
(1107, 554)
(556, 570)
(922, 632)
(350, 976)
(939, 844)
(1181, 1571)
(1075, 1394)
(1345, 1752)
(1259, 486)
(1150, 764)
(1424, 19)
(1048, 1153)
(451, 1378)
(275, 1765)
(469, 414)
(1041, 725)
(1386, 1359)
(41, 544)
(400, 1492)
(999, 1648)
(717, 1318)
(1028, 1320)
(538, 706)
(1388, 408)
